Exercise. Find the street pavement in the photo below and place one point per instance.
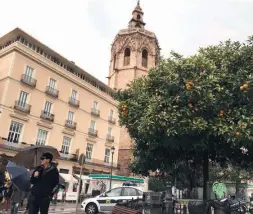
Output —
(63, 208)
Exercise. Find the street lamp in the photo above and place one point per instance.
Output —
(112, 150)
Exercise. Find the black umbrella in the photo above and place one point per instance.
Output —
(19, 176)
(30, 156)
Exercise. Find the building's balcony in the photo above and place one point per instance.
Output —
(28, 80)
(21, 106)
(110, 138)
(74, 102)
(111, 120)
(52, 92)
(93, 132)
(100, 165)
(95, 112)
(70, 124)
(47, 116)
(69, 157)
(11, 146)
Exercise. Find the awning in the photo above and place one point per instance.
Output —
(68, 178)
(116, 177)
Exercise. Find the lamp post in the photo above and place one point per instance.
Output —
(81, 162)
(112, 150)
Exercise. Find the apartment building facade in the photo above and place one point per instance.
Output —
(46, 99)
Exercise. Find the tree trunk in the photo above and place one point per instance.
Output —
(205, 175)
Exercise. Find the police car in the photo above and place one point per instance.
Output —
(106, 201)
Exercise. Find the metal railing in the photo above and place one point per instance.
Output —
(110, 138)
(111, 120)
(74, 102)
(52, 91)
(70, 124)
(93, 132)
(28, 80)
(47, 116)
(22, 106)
(95, 112)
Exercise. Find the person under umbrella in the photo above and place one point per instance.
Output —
(44, 179)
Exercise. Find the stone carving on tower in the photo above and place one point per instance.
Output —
(134, 51)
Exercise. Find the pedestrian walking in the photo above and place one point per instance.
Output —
(44, 179)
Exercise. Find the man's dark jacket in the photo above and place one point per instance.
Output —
(44, 184)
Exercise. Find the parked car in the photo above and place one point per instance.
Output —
(106, 201)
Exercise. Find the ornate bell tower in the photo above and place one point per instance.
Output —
(134, 51)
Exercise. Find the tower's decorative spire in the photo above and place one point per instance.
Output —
(137, 19)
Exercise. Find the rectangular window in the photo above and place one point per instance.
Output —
(92, 125)
(29, 71)
(109, 131)
(89, 149)
(22, 99)
(52, 83)
(71, 116)
(107, 155)
(41, 137)
(111, 114)
(48, 107)
(74, 94)
(95, 105)
(15, 132)
(65, 145)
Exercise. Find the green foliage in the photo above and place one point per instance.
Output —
(157, 184)
(191, 108)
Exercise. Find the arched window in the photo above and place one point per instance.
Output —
(127, 54)
(145, 58)
(138, 16)
(114, 62)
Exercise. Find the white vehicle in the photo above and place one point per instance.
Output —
(106, 201)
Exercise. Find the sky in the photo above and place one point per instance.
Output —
(83, 30)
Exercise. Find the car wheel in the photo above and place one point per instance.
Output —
(91, 208)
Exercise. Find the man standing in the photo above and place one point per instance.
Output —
(44, 179)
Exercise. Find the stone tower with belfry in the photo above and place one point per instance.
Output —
(134, 51)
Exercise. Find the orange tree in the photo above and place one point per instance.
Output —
(197, 109)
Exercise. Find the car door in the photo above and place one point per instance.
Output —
(109, 199)
(129, 193)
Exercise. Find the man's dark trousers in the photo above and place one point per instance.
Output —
(37, 204)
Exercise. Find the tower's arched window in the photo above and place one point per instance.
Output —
(145, 58)
(114, 62)
(138, 16)
(127, 55)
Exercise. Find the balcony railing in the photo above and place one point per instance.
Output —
(69, 157)
(11, 146)
(52, 91)
(74, 102)
(110, 138)
(70, 124)
(95, 112)
(47, 116)
(93, 132)
(111, 120)
(101, 163)
(22, 106)
(28, 80)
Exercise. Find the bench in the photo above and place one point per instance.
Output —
(123, 210)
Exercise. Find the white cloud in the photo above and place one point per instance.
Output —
(83, 30)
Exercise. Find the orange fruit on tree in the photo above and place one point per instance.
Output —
(245, 86)
(190, 105)
(241, 88)
(237, 134)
